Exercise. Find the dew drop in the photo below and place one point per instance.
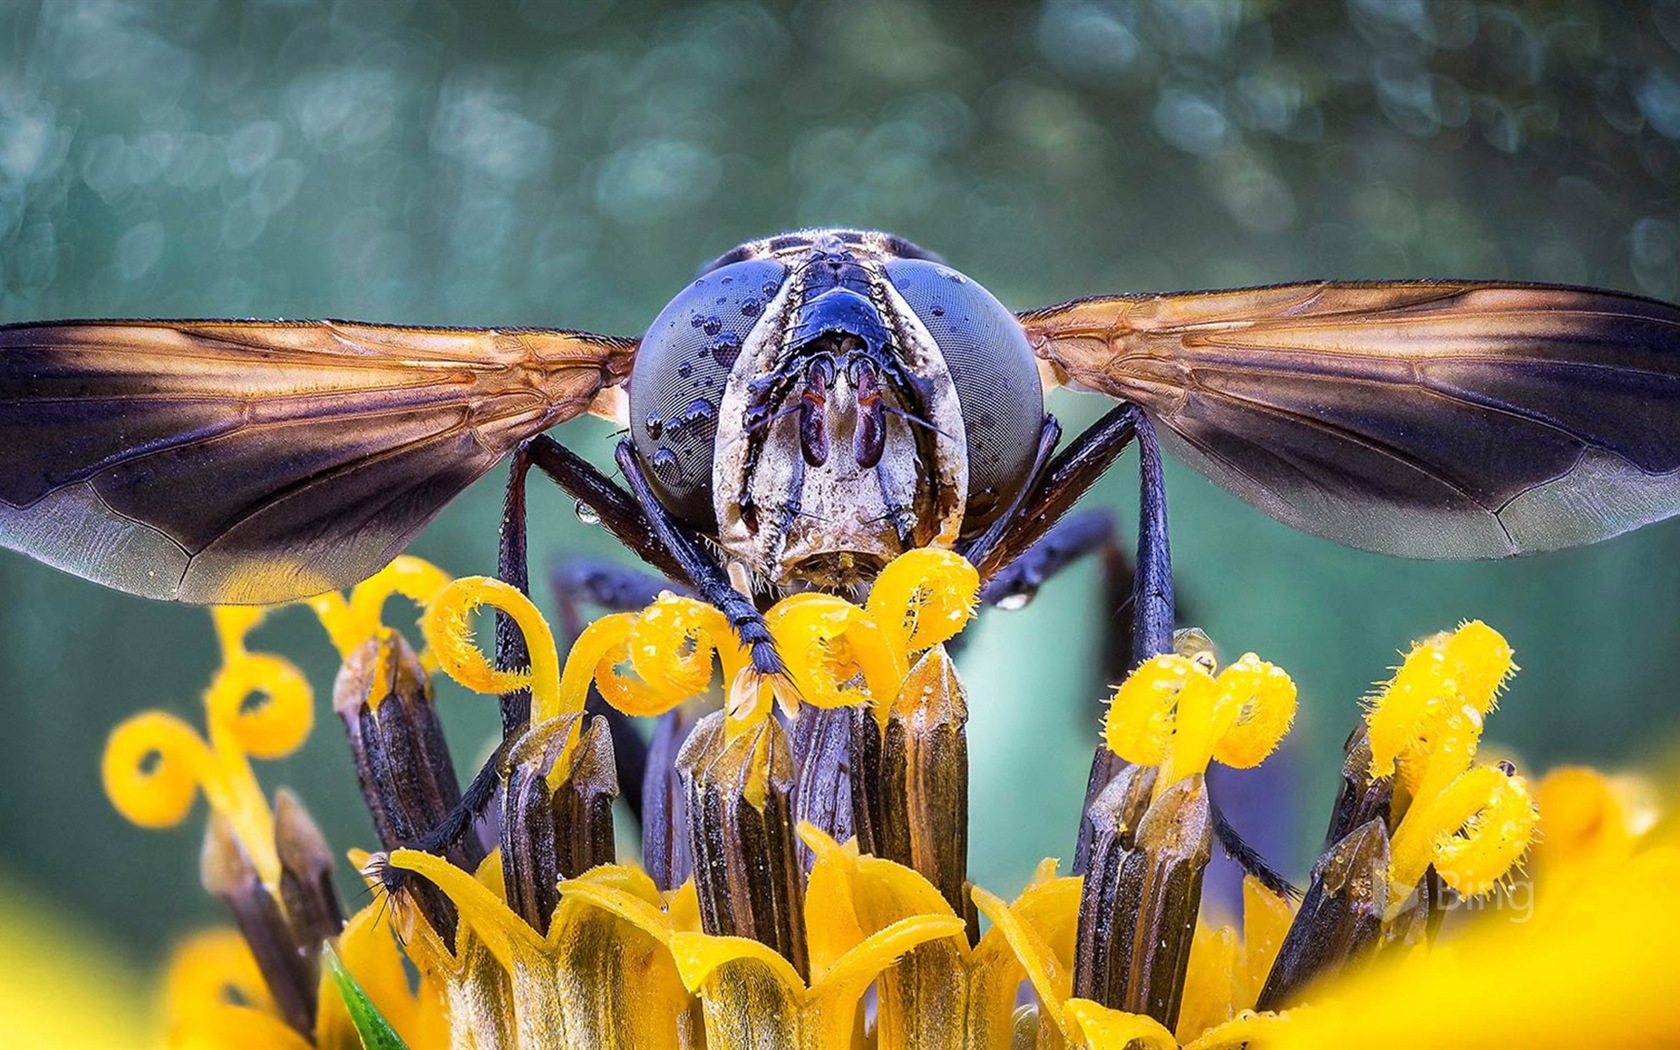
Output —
(586, 513)
(655, 426)
(725, 349)
(751, 308)
(1015, 602)
(770, 288)
(939, 311)
(698, 411)
(685, 369)
(712, 325)
(666, 468)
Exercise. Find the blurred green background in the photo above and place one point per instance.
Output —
(570, 165)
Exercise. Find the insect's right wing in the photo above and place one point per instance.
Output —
(255, 462)
(1432, 419)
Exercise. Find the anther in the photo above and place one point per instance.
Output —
(1340, 917)
(739, 794)
(557, 794)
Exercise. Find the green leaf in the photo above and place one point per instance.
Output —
(376, 1032)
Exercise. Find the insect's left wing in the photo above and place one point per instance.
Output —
(252, 461)
(1427, 419)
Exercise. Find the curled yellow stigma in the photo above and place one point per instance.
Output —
(351, 621)
(1472, 822)
(669, 646)
(837, 653)
(155, 763)
(923, 598)
(1437, 699)
(1474, 832)
(448, 628)
(1171, 712)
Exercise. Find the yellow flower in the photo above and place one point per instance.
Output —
(62, 984)
(786, 935)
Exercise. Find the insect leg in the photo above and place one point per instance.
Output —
(1080, 535)
(511, 652)
(1074, 537)
(621, 516)
(699, 567)
(619, 513)
(1066, 478)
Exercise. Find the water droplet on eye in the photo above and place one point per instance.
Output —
(728, 280)
(751, 308)
(770, 289)
(939, 311)
(725, 349)
(712, 325)
(952, 276)
(1015, 602)
(698, 411)
(586, 513)
(655, 426)
(665, 467)
(685, 369)
(696, 321)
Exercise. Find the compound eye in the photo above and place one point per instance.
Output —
(995, 375)
(677, 382)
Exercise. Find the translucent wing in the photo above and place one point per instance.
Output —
(1427, 419)
(252, 461)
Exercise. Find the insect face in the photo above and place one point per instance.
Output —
(821, 403)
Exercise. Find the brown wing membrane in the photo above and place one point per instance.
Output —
(1427, 419)
(252, 461)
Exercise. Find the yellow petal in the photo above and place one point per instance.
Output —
(1599, 971)
(1101, 1028)
(1209, 981)
(1266, 919)
(700, 955)
(1050, 979)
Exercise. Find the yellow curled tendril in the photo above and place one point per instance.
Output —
(827, 642)
(1172, 713)
(672, 642)
(1261, 699)
(597, 656)
(349, 622)
(922, 598)
(1139, 724)
(448, 629)
(274, 728)
(1474, 832)
(1436, 700)
(154, 763)
(152, 767)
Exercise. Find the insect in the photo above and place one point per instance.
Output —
(815, 403)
